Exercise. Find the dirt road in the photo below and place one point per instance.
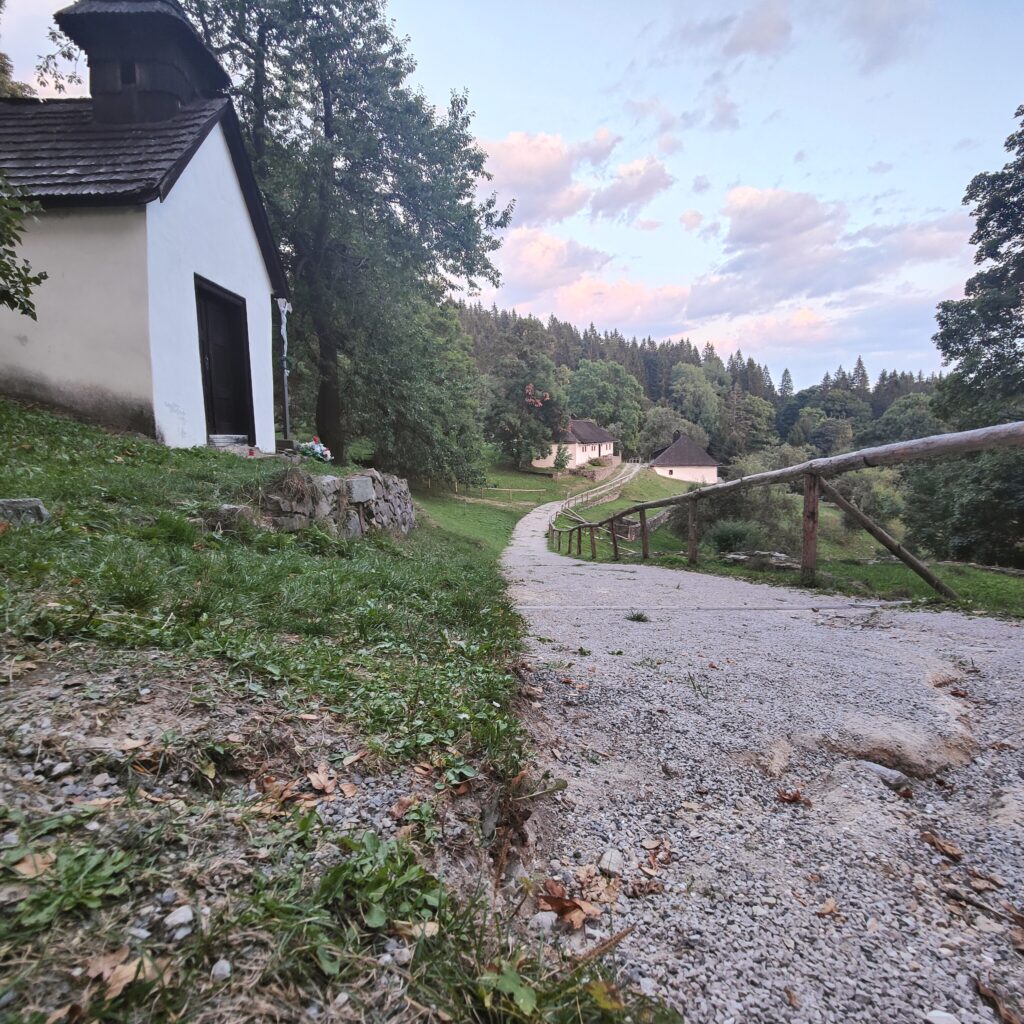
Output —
(732, 743)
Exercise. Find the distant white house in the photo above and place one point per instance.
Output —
(157, 312)
(583, 440)
(685, 460)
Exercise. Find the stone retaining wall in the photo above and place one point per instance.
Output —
(349, 506)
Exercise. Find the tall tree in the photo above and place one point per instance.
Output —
(606, 392)
(982, 335)
(786, 386)
(373, 191)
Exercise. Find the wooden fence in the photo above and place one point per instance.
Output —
(815, 474)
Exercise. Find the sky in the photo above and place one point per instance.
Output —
(780, 176)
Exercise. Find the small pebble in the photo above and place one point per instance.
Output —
(176, 918)
(221, 970)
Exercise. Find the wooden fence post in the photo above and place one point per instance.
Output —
(559, 540)
(888, 542)
(691, 540)
(615, 541)
(644, 536)
(809, 556)
(593, 544)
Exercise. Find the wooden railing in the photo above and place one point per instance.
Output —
(815, 475)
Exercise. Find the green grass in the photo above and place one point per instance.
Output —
(407, 644)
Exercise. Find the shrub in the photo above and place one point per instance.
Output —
(735, 535)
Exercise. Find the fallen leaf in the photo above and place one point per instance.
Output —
(348, 790)
(417, 929)
(1015, 915)
(321, 780)
(70, 1014)
(1017, 939)
(828, 908)
(402, 806)
(1005, 1013)
(4, 527)
(104, 965)
(142, 969)
(958, 692)
(35, 864)
(793, 796)
(352, 758)
(906, 792)
(944, 846)
(791, 998)
(645, 887)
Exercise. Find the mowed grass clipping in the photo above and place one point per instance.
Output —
(410, 639)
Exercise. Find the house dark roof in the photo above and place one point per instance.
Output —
(88, 21)
(55, 152)
(586, 432)
(683, 452)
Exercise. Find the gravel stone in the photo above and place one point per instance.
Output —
(745, 690)
(221, 970)
(176, 918)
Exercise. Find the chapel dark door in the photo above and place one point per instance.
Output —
(224, 351)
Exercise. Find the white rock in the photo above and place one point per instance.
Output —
(941, 1017)
(221, 970)
(892, 778)
(176, 918)
(60, 769)
(543, 921)
(103, 779)
(611, 863)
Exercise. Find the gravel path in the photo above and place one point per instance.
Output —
(677, 735)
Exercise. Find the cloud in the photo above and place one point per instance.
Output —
(629, 306)
(634, 186)
(724, 112)
(880, 167)
(763, 30)
(691, 219)
(539, 171)
(648, 225)
(784, 246)
(533, 261)
(885, 31)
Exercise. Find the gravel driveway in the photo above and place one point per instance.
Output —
(679, 737)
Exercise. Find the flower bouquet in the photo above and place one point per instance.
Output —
(315, 449)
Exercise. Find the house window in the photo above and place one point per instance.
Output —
(129, 73)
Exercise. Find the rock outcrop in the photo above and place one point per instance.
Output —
(348, 506)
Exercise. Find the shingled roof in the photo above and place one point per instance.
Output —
(58, 154)
(586, 432)
(89, 20)
(683, 451)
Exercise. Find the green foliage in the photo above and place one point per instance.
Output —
(638, 616)
(80, 879)
(971, 509)
(876, 492)
(17, 278)
(561, 462)
(735, 535)
(908, 417)
(695, 398)
(605, 392)
(982, 335)
(663, 425)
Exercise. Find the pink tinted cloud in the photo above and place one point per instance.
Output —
(539, 171)
(633, 187)
(691, 219)
(630, 306)
(763, 29)
(533, 261)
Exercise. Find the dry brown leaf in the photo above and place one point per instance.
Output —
(792, 796)
(142, 969)
(1004, 1012)
(35, 864)
(70, 1014)
(352, 758)
(645, 887)
(828, 908)
(1015, 915)
(103, 966)
(1017, 939)
(944, 846)
(402, 806)
(348, 790)
(791, 998)
(417, 929)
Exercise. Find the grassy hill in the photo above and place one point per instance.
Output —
(236, 761)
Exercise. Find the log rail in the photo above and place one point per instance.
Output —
(815, 474)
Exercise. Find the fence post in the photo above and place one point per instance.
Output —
(691, 543)
(593, 544)
(615, 541)
(889, 542)
(559, 540)
(644, 536)
(809, 555)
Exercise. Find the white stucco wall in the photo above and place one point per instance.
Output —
(203, 228)
(689, 474)
(89, 350)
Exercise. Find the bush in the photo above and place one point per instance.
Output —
(735, 535)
